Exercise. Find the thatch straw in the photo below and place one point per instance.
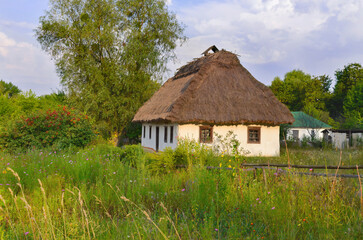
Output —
(214, 89)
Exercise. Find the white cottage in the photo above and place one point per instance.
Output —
(306, 127)
(213, 95)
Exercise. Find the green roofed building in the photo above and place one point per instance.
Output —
(305, 126)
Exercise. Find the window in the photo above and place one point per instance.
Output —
(206, 134)
(295, 135)
(165, 134)
(144, 132)
(171, 134)
(254, 135)
(149, 132)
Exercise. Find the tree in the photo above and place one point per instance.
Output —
(347, 78)
(109, 53)
(353, 108)
(301, 92)
(8, 89)
(291, 91)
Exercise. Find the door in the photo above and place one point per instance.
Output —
(157, 139)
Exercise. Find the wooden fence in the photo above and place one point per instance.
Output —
(255, 166)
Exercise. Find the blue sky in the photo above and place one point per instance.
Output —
(271, 37)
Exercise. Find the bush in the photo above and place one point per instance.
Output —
(162, 162)
(132, 155)
(60, 128)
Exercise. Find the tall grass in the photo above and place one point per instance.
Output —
(92, 194)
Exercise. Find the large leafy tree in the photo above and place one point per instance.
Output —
(301, 92)
(351, 76)
(353, 107)
(109, 53)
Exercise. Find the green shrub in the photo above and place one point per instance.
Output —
(132, 155)
(60, 128)
(161, 162)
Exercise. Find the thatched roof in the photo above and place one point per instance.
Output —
(214, 89)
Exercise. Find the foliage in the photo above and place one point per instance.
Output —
(8, 89)
(132, 133)
(109, 53)
(89, 194)
(228, 144)
(347, 79)
(26, 103)
(188, 153)
(298, 90)
(353, 107)
(133, 155)
(61, 128)
(301, 92)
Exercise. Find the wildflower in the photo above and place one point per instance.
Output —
(229, 166)
(220, 165)
(310, 169)
(251, 224)
(268, 192)
(216, 229)
(183, 189)
(273, 208)
(257, 199)
(26, 233)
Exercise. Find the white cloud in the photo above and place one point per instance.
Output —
(288, 33)
(26, 66)
(5, 42)
(13, 24)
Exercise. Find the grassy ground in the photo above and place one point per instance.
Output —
(91, 194)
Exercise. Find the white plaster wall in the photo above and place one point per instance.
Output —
(151, 142)
(357, 136)
(269, 145)
(340, 140)
(305, 132)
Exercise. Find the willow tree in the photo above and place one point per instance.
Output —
(109, 53)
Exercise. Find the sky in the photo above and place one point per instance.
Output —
(271, 37)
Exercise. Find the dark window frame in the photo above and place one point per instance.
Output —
(150, 129)
(201, 138)
(171, 134)
(166, 134)
(252, 141)
(143, 134)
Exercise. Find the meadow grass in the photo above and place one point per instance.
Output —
(93, 194)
